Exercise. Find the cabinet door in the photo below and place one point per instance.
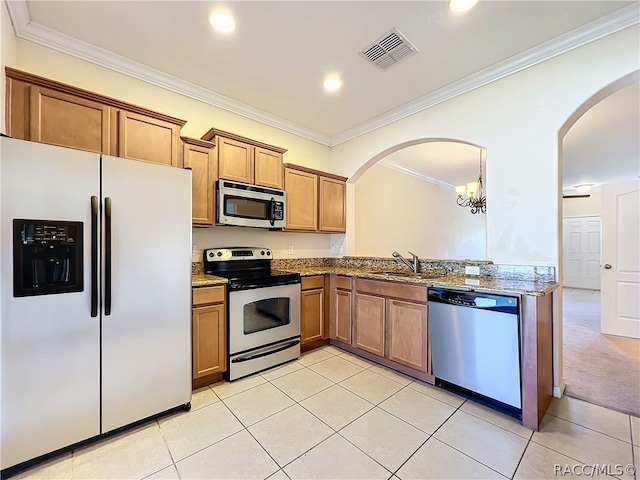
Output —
(235, 160)
(202, 162)
(302, 200)
(312, 315)
(268, 168)
(208, 337)
(341, 328)
(370, 323)
(68, 121)
(145, 138)
(408, 334)
(332, 205)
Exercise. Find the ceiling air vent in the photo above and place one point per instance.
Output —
(388, 50)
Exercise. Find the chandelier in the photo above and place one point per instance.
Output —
(476, 200)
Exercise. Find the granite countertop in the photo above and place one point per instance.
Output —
(203, 280)
(524, 286)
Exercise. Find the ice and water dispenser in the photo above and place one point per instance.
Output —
(47, 257)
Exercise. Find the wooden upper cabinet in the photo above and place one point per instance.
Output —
(144, 138)
(302, 200)
(235, 160)
(46, 111)
(332, 205)
(200, 157)
(315, 208)
(245, 160)
(268, 168)
(65, 120)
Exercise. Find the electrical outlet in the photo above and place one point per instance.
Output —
(340, 249)
(290, 249)
(471, 270)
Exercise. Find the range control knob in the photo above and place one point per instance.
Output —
(268, 252)
(234, 285)
(262, 252)
(210, 254)
(219, 254)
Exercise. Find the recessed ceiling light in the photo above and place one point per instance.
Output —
(332, 83)
(222, 22)
(584, 188)
(461, 5)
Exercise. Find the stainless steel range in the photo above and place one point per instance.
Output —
(263, 309)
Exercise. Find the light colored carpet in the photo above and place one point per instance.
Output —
(601, 369)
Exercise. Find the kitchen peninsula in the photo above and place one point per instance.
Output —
(384, 281)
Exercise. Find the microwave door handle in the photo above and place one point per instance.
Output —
(272, 213)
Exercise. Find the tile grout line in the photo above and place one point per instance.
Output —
(431, 435)
(588, 428)
(521, 457)
(166, 444)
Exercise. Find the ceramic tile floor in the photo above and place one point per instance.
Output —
(332, 415)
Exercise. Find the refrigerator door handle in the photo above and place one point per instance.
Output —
(107, 256)
(95, 207)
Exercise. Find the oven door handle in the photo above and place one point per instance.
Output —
(246, 358)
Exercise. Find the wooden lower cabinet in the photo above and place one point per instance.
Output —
(389, 321)
(342, 312)
(314, 326)
(408, 334)
(369, 323)
(208, 322)
(312, 305)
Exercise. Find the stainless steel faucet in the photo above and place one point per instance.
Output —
(414, 267)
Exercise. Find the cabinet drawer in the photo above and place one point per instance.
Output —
(205, 295)
(342, 281)
(392, 289)
(309, 283)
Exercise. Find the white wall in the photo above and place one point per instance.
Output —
(7, 56)
(396, 211)
(517, 119)
(582, 207)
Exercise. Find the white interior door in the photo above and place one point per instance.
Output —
(146, 338)
(581, 252)
(620, 310)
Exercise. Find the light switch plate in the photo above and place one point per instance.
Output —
(471, 270)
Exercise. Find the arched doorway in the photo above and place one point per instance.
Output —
(405, 199)
(599, 368)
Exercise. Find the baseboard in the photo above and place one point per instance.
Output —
(558, 391)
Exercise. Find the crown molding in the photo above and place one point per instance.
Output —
(607, 25)
(409, 171)
(26, 29)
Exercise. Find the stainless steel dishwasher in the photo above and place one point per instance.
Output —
(475, 344)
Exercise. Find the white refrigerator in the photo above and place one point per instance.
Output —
(98, 337)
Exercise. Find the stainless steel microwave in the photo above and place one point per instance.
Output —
(248, 205)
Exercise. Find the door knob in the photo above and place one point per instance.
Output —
(607, 266)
